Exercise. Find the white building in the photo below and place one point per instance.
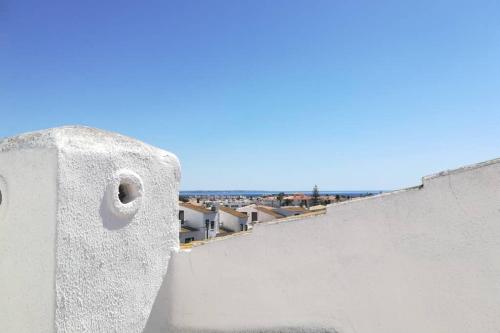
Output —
(258, 213)
(291, 210)
(232, 220)
(232, 202)
(188, 234)
(197, 222)
(270, 201)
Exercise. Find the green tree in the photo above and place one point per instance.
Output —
(280, 197)
(315, 196)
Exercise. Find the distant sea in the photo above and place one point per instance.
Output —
(262, 193)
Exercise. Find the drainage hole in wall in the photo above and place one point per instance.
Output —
(127, 193)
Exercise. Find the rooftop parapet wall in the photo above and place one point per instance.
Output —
(424, 259)
(88, 220)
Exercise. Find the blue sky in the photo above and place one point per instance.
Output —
(265, 95)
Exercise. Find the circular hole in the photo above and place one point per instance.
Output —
(127, 193)
(124, 193)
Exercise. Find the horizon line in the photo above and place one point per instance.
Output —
(283, 190)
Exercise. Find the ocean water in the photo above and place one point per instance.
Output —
(262, 193)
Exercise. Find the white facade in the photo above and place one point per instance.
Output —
(270, 202)
(187, 234)
(417, 260)
(232, 220)
(258, 214)
(199, 218)
(87, 226)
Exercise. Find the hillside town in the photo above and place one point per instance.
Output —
(204, 217)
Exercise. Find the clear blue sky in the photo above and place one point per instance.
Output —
(265, 95)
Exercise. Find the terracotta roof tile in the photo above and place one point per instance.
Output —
(195, 207)
(269, 211)
(232, 212)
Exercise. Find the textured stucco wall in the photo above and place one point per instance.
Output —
(103, 260)
(27, 238)
(418, 260)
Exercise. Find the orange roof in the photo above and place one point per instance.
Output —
(196, 208)
(297, 196)
(232, 212)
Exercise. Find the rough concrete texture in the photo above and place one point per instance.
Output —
(73, 257)
(419, 260)
(27, 240)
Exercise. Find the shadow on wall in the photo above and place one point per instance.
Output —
(160, 318)
(122, 199)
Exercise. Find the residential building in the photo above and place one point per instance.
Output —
(188, 234)
(270, 201)
(298, 199)
(197, 222)
(258, 213)
(291, 210)
(231, 220)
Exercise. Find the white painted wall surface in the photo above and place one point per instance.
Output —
(230, 221)
(196, 219)
(261, 216)
(73, 258)
(197, 235)
(417, 260)
(27, 238)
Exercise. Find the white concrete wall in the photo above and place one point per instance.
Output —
(27, 238)
(73, 257)
(418, 260)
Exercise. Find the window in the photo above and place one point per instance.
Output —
(212, 225)
(181, 216)
(254, 216)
